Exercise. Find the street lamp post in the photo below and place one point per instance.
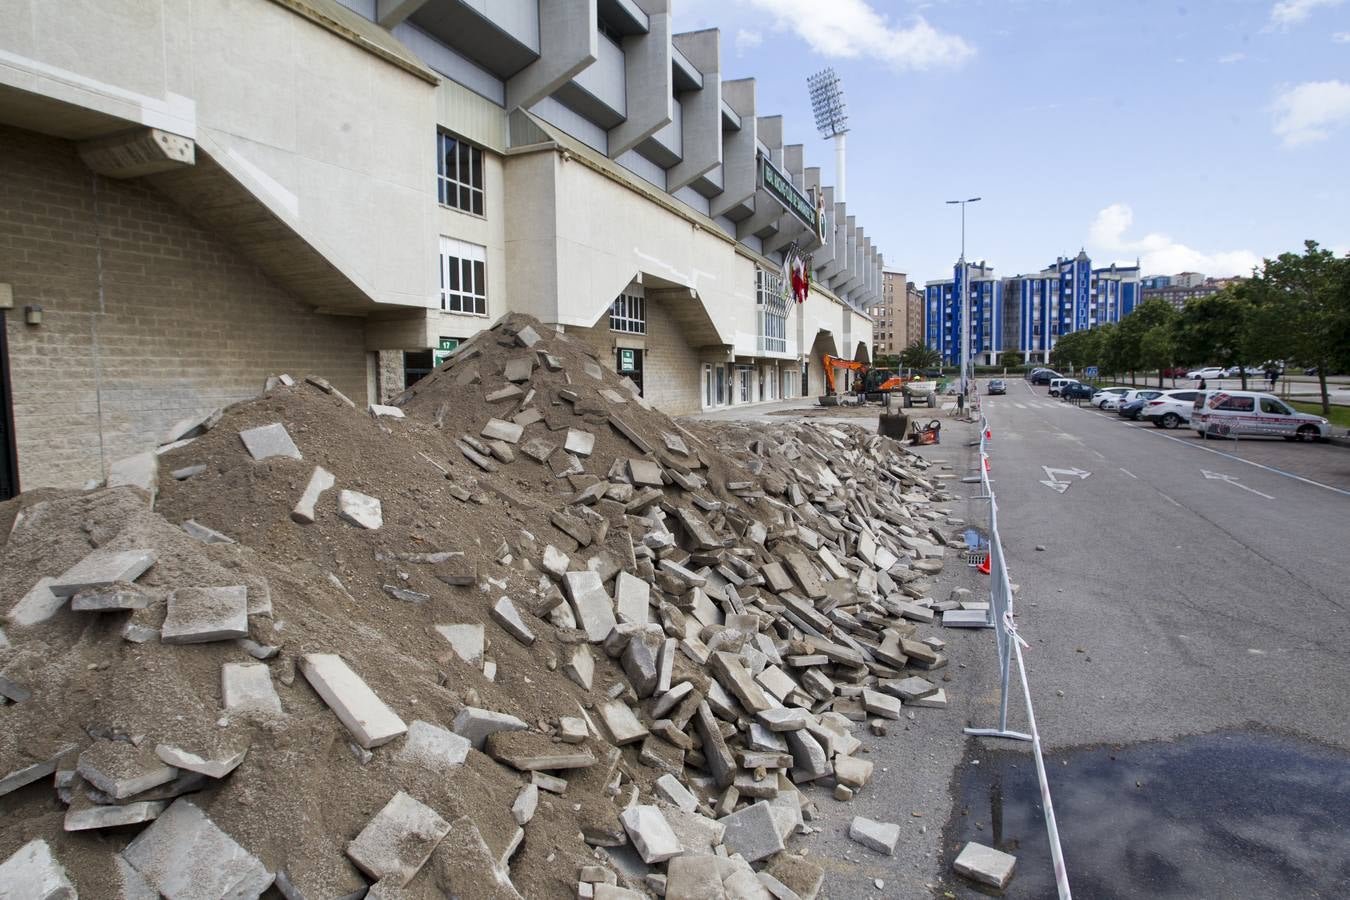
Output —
(964, 307)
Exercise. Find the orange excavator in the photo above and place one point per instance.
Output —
(871, 381)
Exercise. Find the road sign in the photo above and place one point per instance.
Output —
(1090, 372)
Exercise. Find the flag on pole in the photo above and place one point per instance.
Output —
(797, 273)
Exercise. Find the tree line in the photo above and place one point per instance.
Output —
(1294, 311)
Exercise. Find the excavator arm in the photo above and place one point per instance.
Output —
(834, 362)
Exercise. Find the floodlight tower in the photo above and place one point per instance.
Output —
(827, 102)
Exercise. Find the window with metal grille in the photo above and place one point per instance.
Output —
(459, 173)
(629, 314)
(463, 277)
(773, 311)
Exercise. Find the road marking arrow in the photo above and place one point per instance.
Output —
(1232, 479)
(1076, 473)
(1058, 487)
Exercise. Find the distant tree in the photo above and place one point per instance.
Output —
(1303, 307)
(919, 355)
(1218, 329)
(1151, 314)
(1076, 349)
(1158, 348)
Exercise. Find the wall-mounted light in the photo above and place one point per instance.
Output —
(32, 315)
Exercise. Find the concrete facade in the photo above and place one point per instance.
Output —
(311, 179)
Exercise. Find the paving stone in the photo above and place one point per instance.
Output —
(802, 876)
(806, 575)
(527, 416)
(752, 833)
(527, 337)
(113, 598)
(187, 472)
(398, 841)
(518, 368)
(650, 833)
(120, 769)
(379, 410)
(525, 804)
(671, 699)
(38, 605)
(505, 614)
(217, 764)
(198, 615)
(247, 688)
(580, 666)
(776, 577)
(33, 873)
(914, 688)
(139, 471)
(501, 430)
(879, 704)
(101, 568)
(736, 678)
(433, 748)
(639, 662)
(781, 718)
(631, 598)
(810, 761)
(466, 640)
(879, 836)
(613, 892)
(530, 751)
(360, 509)
(477, 724)
(670, 787)
(88, 818)
(183, 854)
(591, 604)
(572, 729)
(720, 763)
(694, 878)
(935, 700)
(985, 865)
(508, 392)
(573, 527)
(633, 434)
(852, 773)
(267, 441)
(364, 714)
(644, 472)
(693, 579)
(204, 534)
(538, 449)
(624, 726)
(578, 442)
(320, 480)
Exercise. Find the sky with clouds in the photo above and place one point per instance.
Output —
(1196, 136)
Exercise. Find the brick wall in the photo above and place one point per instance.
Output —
(671, 372)
(148, 318)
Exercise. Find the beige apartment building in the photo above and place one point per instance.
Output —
(195, 196)
(898, 317)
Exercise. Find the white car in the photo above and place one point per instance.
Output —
(1235, 371)
(1170, 409)
(1224, 413)
(1108, 398)
(1206, 373)
(1057, 383)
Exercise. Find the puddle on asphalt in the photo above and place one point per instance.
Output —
(1226, 815)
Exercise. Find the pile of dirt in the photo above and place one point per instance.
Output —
(779, 574)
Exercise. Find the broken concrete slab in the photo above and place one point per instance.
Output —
(198, 615)
(501, 430)
(398, 841)
(578, 442)
(879, 704)
(82, 817)
(525, 804)
(379, 410)
(650, 833)
(935, 700)
(751, 832)
(364, 714)
(205, 534)
(120, 769)
(530, 751)
(36, 606)
(184, 854)
(33, 872)
(267, 441)
(216, 764)
(138, 471)
(476, 725)
(622, 722)
(320, 480)
(508, 392)
(113, 598)
(852, 773)
(782, 718)
(466, 640)
(247, 688)
(985, 865)
(518, 369)
(102, 568)
(591, 604)
(670, 787)
(360, 509)
(580, 666)
(631, 598)
(644, 472)
(879, 836)
(505, 614)
(433, 748)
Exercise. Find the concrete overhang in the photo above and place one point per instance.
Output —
(468, 31)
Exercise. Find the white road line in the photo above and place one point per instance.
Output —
(1170, 500)
(1159, 433)
(1129, 473)
(1019, 406)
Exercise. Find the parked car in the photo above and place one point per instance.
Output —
(1043, 376)
(1221, 413)
(1076, 390)
(1207, 373)
(1249, 371)
(1133, 403)
(1106, 396)
(1175, 372)
(997, 386)
(1170, 409)
(1056, 384)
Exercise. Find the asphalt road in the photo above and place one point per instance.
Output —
(1169, 601)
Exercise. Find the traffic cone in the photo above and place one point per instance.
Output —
(986, 464)
(989, 434)
(984, 566)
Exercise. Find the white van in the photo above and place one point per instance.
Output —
(1057, 383)
(1221, 413)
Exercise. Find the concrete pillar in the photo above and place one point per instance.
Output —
(567, 36)
(648, 82)
(702, 150)
(738, 148)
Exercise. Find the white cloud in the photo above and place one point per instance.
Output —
(1291, 12)
(1309, 111)
(1232, 58)
(1158, 253)
(747, 40)
(1341, 37)
(852, 29)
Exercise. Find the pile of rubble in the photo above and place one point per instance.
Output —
(516, 634)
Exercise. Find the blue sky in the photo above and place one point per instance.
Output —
(1198, 136)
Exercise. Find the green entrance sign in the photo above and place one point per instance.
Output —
(786, 193)
(627, 360)
(443, 350)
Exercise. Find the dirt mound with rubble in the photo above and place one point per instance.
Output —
(458, 645)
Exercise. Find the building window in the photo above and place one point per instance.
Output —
(459, 173)
(773, 311)
(463, 277)
(629, 314)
